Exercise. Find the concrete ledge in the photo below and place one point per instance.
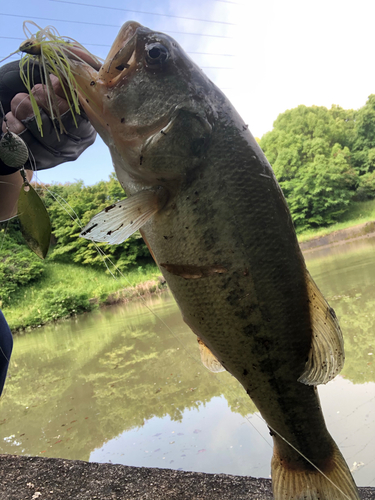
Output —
(33, 478)
(360, 232)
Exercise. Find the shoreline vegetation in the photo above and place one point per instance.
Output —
(67, 289)
(323, 159)
(359, 213)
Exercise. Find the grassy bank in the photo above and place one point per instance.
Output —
(67, 289)
(358, 213)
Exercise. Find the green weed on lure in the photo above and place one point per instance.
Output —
(32, 214)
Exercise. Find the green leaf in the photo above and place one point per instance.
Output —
(34, 221)
(309, 151)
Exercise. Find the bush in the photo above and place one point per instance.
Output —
(18, 266)
(58, 304)
(366, 187)
(62, 304)
(309, 151)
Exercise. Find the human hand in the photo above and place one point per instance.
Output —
(49, 150)
(46, 151)
(21, 108)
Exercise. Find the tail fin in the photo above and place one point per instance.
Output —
(333, 483)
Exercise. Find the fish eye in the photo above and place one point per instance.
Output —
(156, 54)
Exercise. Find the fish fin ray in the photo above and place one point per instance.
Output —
(326, 356)
(119, 221)
(296, 484)
(209, 360)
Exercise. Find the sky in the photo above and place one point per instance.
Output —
(266, 55)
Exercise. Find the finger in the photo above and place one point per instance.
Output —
(41, 97)
(20, 106)
(14, 125)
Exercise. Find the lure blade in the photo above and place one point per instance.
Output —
(13, 150)
(34, 220)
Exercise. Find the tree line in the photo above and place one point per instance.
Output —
(70, 207)
(324, 159)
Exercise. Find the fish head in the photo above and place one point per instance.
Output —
(150, 103)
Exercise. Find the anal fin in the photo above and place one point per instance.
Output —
(326, 356)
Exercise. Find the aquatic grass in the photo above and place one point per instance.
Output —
(68, 289)
(359, 212)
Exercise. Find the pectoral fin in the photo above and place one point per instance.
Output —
(119, 221)
(326, 356)
(208, 359)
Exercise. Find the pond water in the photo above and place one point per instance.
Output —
(125, 385)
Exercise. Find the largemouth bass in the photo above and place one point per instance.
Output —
(210, 209)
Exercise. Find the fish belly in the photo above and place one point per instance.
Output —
(228, 250)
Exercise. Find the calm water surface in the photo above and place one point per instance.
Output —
(118, 386)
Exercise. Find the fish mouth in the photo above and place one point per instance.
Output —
(94, 82)
(121, 57)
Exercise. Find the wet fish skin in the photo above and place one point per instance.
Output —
(167, 125)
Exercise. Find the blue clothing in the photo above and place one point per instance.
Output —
(6, 346)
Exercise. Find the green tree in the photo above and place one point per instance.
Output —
(364, 149)
(309, 151)
(18, 265)
(71, 206)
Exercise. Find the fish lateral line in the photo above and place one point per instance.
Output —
(193, 272)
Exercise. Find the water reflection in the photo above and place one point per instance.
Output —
(76, 385)
(118, 385)
(346, 276)
(198, 442)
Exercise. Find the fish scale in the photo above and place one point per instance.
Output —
(215, 318)
(220, 230)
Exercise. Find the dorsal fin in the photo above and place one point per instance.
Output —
(326, 356)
